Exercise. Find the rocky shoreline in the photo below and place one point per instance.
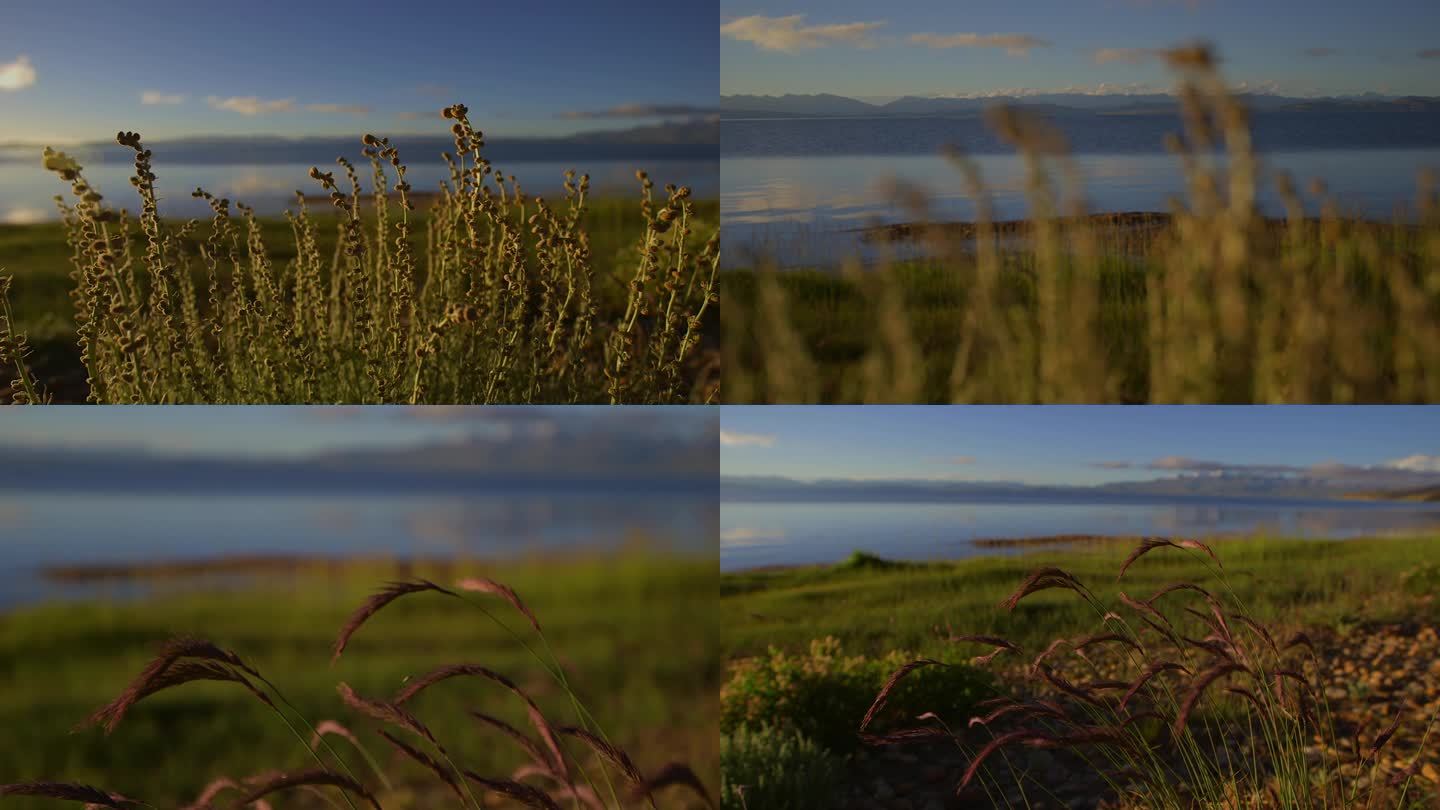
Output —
(1369, 676)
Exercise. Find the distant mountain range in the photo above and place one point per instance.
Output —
(687, 140)
(829, 105)
(567, 460)
(1222, 485)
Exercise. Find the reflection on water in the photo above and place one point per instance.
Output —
(39, 530)
(799, 209)
(763, 534)
(27, 190)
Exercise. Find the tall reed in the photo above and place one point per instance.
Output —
(1210, 302)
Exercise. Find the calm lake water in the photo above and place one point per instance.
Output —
(754, 534)
(793, 190)
(41, 530)
(26, 190)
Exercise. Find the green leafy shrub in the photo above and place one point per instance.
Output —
(1422, 580)
(767, 767)
(822, 694)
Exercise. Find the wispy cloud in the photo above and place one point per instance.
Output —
(1013, 44)
(1102, 89)
(1320, 53)
(1129, 56)
(157, 97)
(1429, 53)
(416, 116)
(17, 75)
(349, 109)
(251, 105)
(791, 34)
(729, 438)
(1416, 469)
(642, 111)
(1416, 463)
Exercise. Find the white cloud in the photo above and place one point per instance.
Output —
(1416, 463)
(750, 537)
(250, 105)
(157, 97)
(352, 109)
(791, 34)
(1131, 56)
(1014, 44)
(729, 438)
(23, 216)
(17, 75)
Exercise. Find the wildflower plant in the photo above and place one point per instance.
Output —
(489, 296)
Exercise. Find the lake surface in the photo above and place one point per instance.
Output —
(38, 530)
(794, 190)
(757, 534)
(26, 190)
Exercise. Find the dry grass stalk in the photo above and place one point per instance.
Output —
(373, 605)
(546, 763)
(537, 718)
(71, 793)
(518, 791)
(672, 774)
(1285, 716)
(289, 781)
(185, 659)
(890, 683)
(385, 712)
(607, 751)
(441, 772)
(1040, 580)
(169, 669)
(490, 586)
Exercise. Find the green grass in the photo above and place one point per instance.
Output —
(638, 634)
(876, 609)
(835, 318)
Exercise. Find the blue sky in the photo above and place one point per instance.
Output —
(82, 70)
(295, 431)
(1067, 445)
(945, 47)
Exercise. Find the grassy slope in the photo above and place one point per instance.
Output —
(639, 635)
(876, 609)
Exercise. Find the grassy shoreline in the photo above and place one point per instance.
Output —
(650, 676)
(874, 605)
(808, 649)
